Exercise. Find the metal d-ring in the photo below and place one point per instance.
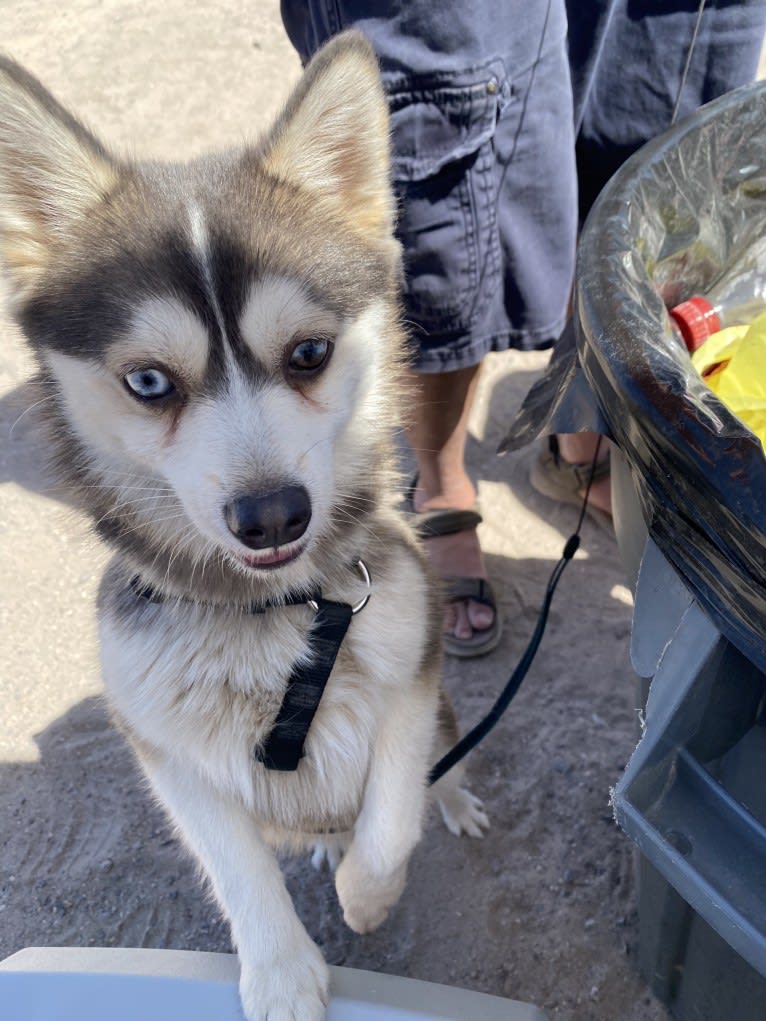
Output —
(364, 571)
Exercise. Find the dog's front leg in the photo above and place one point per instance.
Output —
(283, 974)
(371, 877)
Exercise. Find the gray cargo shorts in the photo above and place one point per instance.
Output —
(483, 164)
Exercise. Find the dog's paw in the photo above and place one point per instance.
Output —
(330, 849)
(364, 897)
(463, 813)
(294, 987)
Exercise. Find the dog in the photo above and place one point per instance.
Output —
(220, 357)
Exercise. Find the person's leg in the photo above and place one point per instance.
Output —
(488, 233)
(483, 167)
(437, 435)
(580, 449)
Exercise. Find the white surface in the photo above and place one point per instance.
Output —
(71, 984)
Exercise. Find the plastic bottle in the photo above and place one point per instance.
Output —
(734, 299)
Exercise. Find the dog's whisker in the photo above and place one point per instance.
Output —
(163, 500)
(356, 523)
(114, 509)
(203, 558)
(324, 439)
(119, 488)
(133, 471)
(174, 553)
(160, 551)
(115, 478)
(145, 504)
(352, 496)
(422, 450)
(155, 521)
(26, 411)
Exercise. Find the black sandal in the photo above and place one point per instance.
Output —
(448, 521)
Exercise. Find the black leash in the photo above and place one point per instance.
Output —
(480, 731)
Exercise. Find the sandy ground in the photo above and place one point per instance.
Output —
(543, 909)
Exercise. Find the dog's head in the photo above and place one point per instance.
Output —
(221, 337)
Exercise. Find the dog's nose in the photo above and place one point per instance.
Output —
(269, 519)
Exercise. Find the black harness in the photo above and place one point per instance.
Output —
(283, 748)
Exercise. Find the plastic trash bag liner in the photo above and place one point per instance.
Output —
(672, 219)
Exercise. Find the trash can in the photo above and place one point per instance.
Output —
(689, 494)
(92, 984)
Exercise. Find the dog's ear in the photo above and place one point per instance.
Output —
(52, 171)
(333, 136)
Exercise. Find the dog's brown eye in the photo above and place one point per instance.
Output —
(309, 356)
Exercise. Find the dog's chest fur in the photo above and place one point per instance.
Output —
(204, 684)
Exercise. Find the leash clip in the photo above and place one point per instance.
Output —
(363, 570)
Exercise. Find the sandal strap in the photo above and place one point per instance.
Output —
(445, 521)
(580, 472)
(477, 589)
(441, 520)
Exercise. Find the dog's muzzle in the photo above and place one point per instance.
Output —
(268, 520)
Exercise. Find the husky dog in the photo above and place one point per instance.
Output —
(221, 350)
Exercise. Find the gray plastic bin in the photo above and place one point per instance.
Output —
(693, 799)
(72, 984)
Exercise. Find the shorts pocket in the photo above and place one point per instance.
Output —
(444, 174)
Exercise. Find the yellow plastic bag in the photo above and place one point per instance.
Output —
(733, 364)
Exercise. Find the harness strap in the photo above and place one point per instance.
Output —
(283, 749)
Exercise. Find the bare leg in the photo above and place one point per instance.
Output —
(580, 448)
(437, 435)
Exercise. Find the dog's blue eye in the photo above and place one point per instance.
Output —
(149, 384)
(309, 355)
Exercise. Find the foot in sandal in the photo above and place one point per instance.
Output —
(471, 623)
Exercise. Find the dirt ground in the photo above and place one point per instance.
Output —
(544, 908)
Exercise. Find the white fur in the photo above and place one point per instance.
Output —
(236, 442)
(278, 309)
(163, 331)
(201, 244)
(198, 688)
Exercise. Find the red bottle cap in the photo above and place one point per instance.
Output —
(697, 320)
